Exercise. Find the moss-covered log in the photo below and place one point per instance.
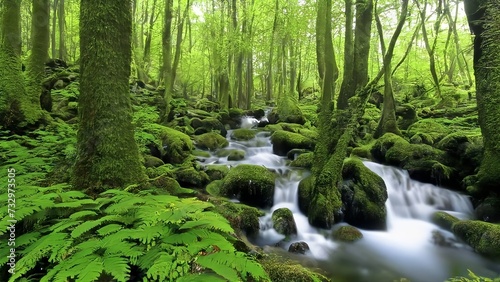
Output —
(107, 155)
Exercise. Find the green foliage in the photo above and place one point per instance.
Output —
(163, 236)
(473, 278)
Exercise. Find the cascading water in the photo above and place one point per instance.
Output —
(406, 249)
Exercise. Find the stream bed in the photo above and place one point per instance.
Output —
(412, 247)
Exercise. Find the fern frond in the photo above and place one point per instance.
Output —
(84, 213)
(161, 268)
(108, 229)
(117, 266)
(88, 225)
(205, 277)
(219, 264)
(91, 271)
(124, 205)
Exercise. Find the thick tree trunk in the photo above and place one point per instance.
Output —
(484, 20)
(54, 28)
(62, 31)
(17, 109)
(107, 155)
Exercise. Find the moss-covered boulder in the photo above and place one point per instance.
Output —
(363, 196)
(434, 129)
(216, 172)
(150, 161)
(299, 248)
(305, 192)
(251, 184)
(243, 134)
(190, 177)
(347, 233)
(284, 141)
(166, 184)
(207, 125)
(241, 217)
(288, 111)
(484, 237)
(176, 146)
(285, 270)
(213, 188)
(207, 105)
(283, 222)
(236, 155)
(303, 160)
(210, 141)
(423, 162)
(444, 220)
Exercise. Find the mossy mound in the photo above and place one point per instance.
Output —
(303, 160)
(288, 111)
(283, 222)
(284, 141)
(243, 134)
(207, 105)
(347, 233)
(201, 126)
(190, 177)
(305, 192)
(176, 146)
(444, 220)
(241, 217)
(236, 155)
(199, 153)
(166, 184)
(434, 129)
(363, 196)
(251, 184)
(484, 237)
(211, 141)
(216, 172)
(285, 270)
(213, 188)
(150, 161)
(423, 162)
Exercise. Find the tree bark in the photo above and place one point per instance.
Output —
(167, 58)
(62, 31)
(107, 155)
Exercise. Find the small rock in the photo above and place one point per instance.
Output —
(298, 248)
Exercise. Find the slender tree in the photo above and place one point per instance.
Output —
(62, 31)
(167, 57)
(107, 155)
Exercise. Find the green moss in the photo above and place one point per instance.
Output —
(364, 195)
(213, 188)
(284, 141)
(251, 184)
(434, 129)
(216, 172)
(444, 220)
(303, 160)
(288, 111)
(283, 222)
(177, 145)
(484, 237)
(362, 152)
(241, 217)
(199, 153)
(243, 134)
(150, 161)
(285, 270)
(347, 234)
(168, 185)
(190, 177)
(311, 134)
(211, 141)
(310, 112)
(306, 186)
(236, 155)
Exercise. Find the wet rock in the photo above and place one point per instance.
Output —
(251, 184)
(347, 234)
(216, 172)
(176, 146)
(444, 220)
(484, 237)
(299, 248)
(191, 177)
(305, 191)
(283, 222)
(284, 141)
(303, 160)
(150, 161)
(363, 196)
(211, 141)
(236, 155)
(243, 134)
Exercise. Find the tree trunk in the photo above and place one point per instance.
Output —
(388, 122)
(348, 52)
(146, 58)
(107, 155)
(167, 58)
(178, 42)
(270, 77)
(484, 21)
(54, 28)
(62, 31)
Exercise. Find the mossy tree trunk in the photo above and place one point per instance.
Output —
(17, 109)
(167, 57)
(484, 20)
(62, 31)
(388, 121)
(107, 155)
(348, 48)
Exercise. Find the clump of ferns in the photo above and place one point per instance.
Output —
(123, 236)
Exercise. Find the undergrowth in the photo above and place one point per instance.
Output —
(63, 235)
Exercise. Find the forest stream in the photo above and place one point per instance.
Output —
(412, 247)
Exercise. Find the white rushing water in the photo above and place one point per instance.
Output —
(406, 249)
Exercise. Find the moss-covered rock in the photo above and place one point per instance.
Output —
(211, 141)
(236, 155)
(285, 270)
(347, 233)
(361, 152)
(213, 188)
(421, 138)
(199, 153)
(299, 248)
(210, 124)
(283, 222)
(251, 184)
(484, 237)
(284, 141)
(176, 145)
(303, 160)
(489, 210)
(207, 105)
(150, 161)
(243, 134)
(190, 177)
(306, 186)
(363, 196)
(241, 217)
(216, 172)
(168, 185)
(288, 111)
(444, 220)
(434, 129)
